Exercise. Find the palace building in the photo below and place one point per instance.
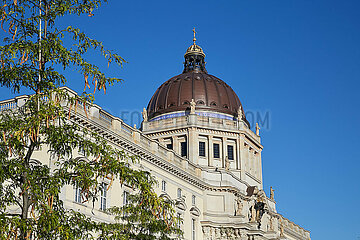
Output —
(197, 142)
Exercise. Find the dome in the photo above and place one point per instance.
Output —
(210, 93)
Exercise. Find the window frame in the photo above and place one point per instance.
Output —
(103, 197)
(202, 149)
(216, 154)
(179, 193)
(163, 185)
(232, 152)
(183, 149)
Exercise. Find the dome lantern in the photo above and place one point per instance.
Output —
(194, 58)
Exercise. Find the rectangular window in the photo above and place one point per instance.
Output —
(179, 220)
(169, 146)
(202, 149)
(193, 230)
(179, 193)
(125, 198)
(163, 186)
(103, 196)
(193, 200)
(216, 150)
(78, 195)
(230, 150)
(183, 149)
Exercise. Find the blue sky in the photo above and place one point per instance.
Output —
(299, 60)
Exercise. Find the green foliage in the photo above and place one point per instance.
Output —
(30, 202)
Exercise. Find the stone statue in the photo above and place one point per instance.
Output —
(239, 114)
(192, 106)
(281, 230)
(257, 129)
(272, 193)
(144, 115)
(271, 225)
(206, 231)
(227, 163)
(217, 233)
(239, 207)
(253, 214)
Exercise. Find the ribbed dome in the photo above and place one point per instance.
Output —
(209, 92)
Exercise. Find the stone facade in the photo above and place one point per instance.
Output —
(218, 195)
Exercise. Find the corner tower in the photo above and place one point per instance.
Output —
(201, 118)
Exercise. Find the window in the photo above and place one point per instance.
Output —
(81, 150)
(216, 150)
(202, 149)
(163, 186)
(103, 197)
(230, 150)
(125, 198)
(179, 193)
(193, 199)
(193, 230)
(179, 220)
(183, 149)
(78, 195)
(169, 146)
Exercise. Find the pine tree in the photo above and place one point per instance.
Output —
(30, 203)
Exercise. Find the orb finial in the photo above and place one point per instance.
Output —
(194, 39)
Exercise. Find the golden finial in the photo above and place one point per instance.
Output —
(194, 39)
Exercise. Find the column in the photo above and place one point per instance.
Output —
(192, 145)
(210, 151)
(237, 154)
(224, 151)
(242, 159)
(175, 144)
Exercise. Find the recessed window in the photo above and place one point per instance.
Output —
(78, 195)
(213, 104)
(226, 106)
(230, 151)
(179, 193)
(216, 150)
(179, 220)
(202, 149)
(103, 196)
(193, 229)
(193, 200)
(183, 149)
(200, 102)
(169, 146)
(186, 103)
(163, 186)
(125, 198)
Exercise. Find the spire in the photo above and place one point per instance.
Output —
(194, 57)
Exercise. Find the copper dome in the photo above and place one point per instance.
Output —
(209, 92)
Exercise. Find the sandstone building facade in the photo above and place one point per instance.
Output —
(196, 141)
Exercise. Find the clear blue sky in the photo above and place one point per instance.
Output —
(297, 59)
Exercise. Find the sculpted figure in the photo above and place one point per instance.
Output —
(217, 233)
(271, 225)
(257, 129)
(281, 230)
(239, 207)
(272, 193)
(144, 115)
(239, 114)
(253, 214)
(227, 163)
(192, 106)
(206, 231)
